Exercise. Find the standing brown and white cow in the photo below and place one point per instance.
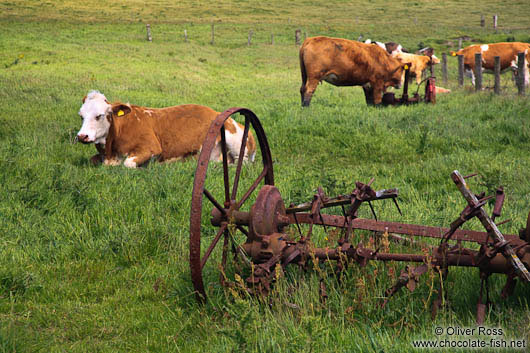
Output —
(138, 134)
(344, 62)
(418, 63)
(507, 52)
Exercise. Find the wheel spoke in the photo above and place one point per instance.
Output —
(214, 201)
(225, 166)
(240, 159)
(242, 230)
(213, 244)
(252, 187)
(238, 249)
(223, 258)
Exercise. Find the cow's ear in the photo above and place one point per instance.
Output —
(120, 109)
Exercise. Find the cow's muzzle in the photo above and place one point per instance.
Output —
(83, 139)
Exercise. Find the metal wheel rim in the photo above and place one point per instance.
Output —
(199, 182)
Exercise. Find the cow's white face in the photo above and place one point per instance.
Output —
(96, 114)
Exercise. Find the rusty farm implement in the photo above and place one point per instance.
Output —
(389, 98)
(256, 236)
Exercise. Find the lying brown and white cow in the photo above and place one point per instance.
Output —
(507, 52)
(344, 62)
(418, 63)
(138, 134)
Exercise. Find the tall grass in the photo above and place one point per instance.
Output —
(96, 259)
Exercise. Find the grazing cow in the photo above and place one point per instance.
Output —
(344, 62)
(418, 63)
(123, 130)
(390, 47)
(507, 52)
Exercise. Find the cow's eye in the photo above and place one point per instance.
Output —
(99, 117)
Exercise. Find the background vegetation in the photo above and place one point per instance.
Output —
(96, 259)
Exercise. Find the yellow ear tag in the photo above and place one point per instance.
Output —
(120, 113)
(406, 67)
(454, 54)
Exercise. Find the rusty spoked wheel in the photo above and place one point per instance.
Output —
(224, 198)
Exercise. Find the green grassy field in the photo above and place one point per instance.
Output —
(96, 258)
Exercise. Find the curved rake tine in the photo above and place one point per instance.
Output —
(397, 206)
(372, 207)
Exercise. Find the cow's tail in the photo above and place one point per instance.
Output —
(302, 67)
(303, 71)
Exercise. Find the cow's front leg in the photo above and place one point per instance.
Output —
(100, 157)
(368, 94)
(97, 159)
(142, 155)
(378, 93)
(419, 76)
(134, 160)
(112, 161)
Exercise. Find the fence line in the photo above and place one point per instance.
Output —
(250, 33)
(297, 34)
(520, 73)
(520, 78)
(444, 67)
(497, 72)
(461, 70)
(148, 28)
(478, 71)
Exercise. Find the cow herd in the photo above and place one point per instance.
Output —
(133, 135)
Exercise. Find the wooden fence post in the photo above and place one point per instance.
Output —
(250, 33)
(520, 73)
(185, 36)
(459, 43)
(297, 34)
(482, 21)
(478, 72)
(213, 35)
(272, 38)
(495, 17)
(444, 67)
(148, 27)
(497, 71)
(461, 70)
